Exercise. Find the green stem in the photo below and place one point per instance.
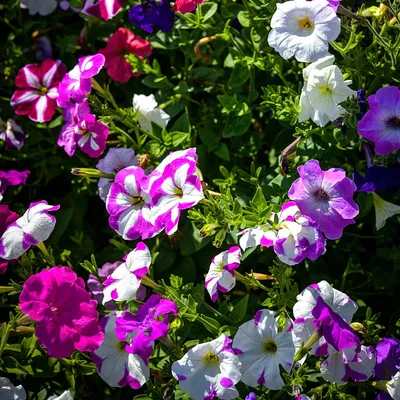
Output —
(6, 289)
(198, 298)
(123, 133)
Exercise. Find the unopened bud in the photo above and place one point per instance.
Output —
(207, 230)
(91, 173)
(144, 161)
(375, 11)
(359, 328)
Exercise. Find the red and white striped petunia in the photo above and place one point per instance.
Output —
(37, 90)
(104, 9)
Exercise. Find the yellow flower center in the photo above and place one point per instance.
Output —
(306, 24)
(43, 90)
(270, 347)
(137, 200)
(211, 358)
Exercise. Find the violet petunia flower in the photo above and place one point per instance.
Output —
(381, 124)
(57, 299)
(378, 178)
(7, 217)
(326, 197)
(152, 14)
(37, 90)
(12, 134)
(12, 178)
(44, 49)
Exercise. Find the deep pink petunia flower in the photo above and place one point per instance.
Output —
(38, 90)
(381, 124)
(326, 197)
(186, 6)
(67, 316)
(123, 42)
(7, 217)
(104, 9)
(12, 178)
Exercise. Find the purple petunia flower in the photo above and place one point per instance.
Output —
(151, 14)
(381, 124)
(362, 103)
(12, 178)
(378, 178)
(326, 197)
(11, 134)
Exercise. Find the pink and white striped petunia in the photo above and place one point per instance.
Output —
(91, 135)
(128, 204)
(221, 275)
(38, 90)
(124, 282)
(77, 82)
(176, 189)
(104, 9)
(34, 227)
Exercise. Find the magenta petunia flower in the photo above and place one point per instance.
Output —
(326, 197)
(12, 178)
(38, 90)
(66, 314)
(104, 9)
(7, 217)
(381, 124)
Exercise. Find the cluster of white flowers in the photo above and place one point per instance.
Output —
(303, 29)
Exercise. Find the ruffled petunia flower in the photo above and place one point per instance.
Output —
(303, 29)
(393, 387)
(11, 134)
(12, 178)
(115, 160)
(221, 275)
(378, 178)
(34, 227)
(124, 282)
(115, 365)
(149, 324)
(209, 370)
(326, 197)
(304, 323)
(7, 217)
(104, 9)
(186, 6)
(323, 90)
(42, 7)
(152, 14)
(66, 315)
(381, 124)
(10, 392)
(77, 83)
(37, 90)
(338, 369)
(66, 395)
(262, 349)
(148, 113)
(121, 43)
(387, 361)
(91, 136)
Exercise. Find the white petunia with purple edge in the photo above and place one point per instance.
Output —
(124, 282)
(34, 227)
(209, 370)
(221, 275)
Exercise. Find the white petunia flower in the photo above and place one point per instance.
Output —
(383, 210)
(262, 349)
(43, 7)
(10, 392)
(393, 387)
(209, 369)
(63, 396)
(148, 112)
(303, 29)
(324, 89)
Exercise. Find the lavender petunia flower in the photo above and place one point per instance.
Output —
(12, 134)
(378, 178)
(381, 124)
(151, 14)
(326, 197)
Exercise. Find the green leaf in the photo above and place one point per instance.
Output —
(155, 82)
(239, 310)
(239, 75)
(208, 10)
(244, 18)
(210, 324)
(223, 152)
(182, 124)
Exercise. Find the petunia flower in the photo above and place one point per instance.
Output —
(10, 392)
(7, 217)
(115, 160)
(73, 114)
(323, 90)
(326, 197)
(66, 315)
(378, 178)
(34, 227)
(12, 178)
(42, 7)
(121, 43)
(77, 83)
(383, 210)
(209, 369)
(337, 369)
(381, 124)
(91, 135)
(393, 387)
(104, 9)
(148, 112)
(12, 134)
(303, 327)
(124, 282)
(387, 361)
(221, 275)
(37, 90)
(149, 324)
(303, 29)
(152, 14)
(116, 366)
(66, 395)
(186, 6)
(262, 349)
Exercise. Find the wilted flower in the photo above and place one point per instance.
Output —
(148, 112)
(12, 134)
(57, 299)
(37, 90)
(303, 29)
